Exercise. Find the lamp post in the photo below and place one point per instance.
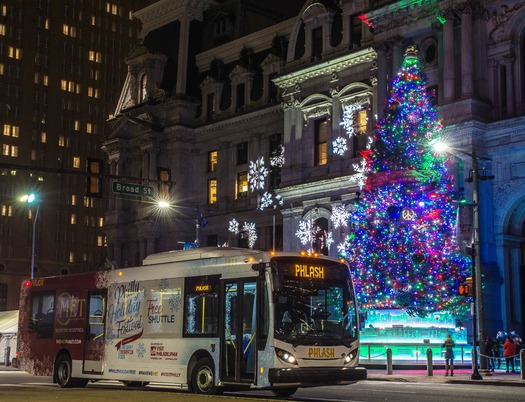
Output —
(30, 198)
(477, 310)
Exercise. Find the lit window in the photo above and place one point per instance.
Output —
(93, 20)
(77, 125)
(43, 137)
(1, 68)
(100, 222)
(89, 128)
(2, 29)
(362, 120)
(61, 141)
(100, 241)
(91, 55)
(76, 162)
(73, 199)
(71, 256)
(73, 220)
(14, 151)
(15, 131)
(212, 161)
(212, 191)
(241, 188)
(5, 149)
(65, 29)
(320, 142)
(63, 85)
(7, 210)
(45, 80)
(7, 129)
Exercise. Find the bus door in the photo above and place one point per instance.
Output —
(94, 342)
(239, 349)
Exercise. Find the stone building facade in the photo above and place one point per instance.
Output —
(220, 89)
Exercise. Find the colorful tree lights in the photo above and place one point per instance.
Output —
(403, 248)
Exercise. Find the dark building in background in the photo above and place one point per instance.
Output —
(217, 89)
(61, 70)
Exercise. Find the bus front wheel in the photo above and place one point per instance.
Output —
(284, 391)
(63, 374)
(203, 377)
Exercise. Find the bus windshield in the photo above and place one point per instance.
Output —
(314, 302)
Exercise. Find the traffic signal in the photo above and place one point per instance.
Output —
(465, 289)
(163, 183)
(94, 177)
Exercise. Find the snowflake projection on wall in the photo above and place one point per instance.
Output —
(349, 118)
(141, 350)
(164, 284)
(304, 233)
(257, 172)
(329, 240)
(249, 227)
(360, 176)
(175, 302)
(278, 159)
(233, 226)
(268, 200)
(339, 216)
(339, 146)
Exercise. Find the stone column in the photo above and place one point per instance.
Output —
(182, 59)
(466, 54)
(382, 79)
(449, 81)
(112, 196)
(509, 83)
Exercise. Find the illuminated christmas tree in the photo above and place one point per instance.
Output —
(402, 245)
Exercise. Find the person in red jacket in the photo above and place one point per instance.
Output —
(509, 350)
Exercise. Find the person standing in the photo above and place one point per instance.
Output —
(449, 355)
(497, 355)
(489, 350)
(509, 350)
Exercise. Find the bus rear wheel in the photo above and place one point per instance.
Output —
(203, 378)
(284, 391)
(63, 374)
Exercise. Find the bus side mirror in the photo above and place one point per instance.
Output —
(260, 267)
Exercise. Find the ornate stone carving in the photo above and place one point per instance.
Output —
(500, 20)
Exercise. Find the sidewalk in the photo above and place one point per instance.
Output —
(461, 376)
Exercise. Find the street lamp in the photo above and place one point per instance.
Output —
(477, 300)
(29, 199)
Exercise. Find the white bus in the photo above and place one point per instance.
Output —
(207, 319)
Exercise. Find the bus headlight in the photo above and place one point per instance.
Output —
(350, 356)
(285, 356)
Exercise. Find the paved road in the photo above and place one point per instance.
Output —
(402, 386)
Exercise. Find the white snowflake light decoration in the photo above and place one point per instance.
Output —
(257, 172)
(233, 226)
(304, 233)
(360, 176)
(339, 146)
(252, 233)
(329, 240)
(266, 201)
(339, 216)
(278, 159)
(348, 118)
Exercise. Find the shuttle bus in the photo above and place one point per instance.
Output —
(206, 319)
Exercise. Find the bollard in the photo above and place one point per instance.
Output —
(389, 361)
(522, 360)
(430, 369)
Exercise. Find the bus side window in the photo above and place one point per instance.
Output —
(201, 306)
(42, 317)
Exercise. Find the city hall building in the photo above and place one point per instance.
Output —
(238, 105)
